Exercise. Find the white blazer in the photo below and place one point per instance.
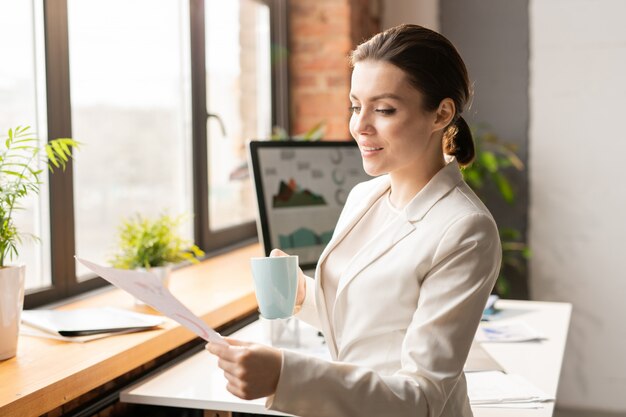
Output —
(406, 310)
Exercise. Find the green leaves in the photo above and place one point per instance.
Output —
(21, 163)
(59, 151)
(504, 186)
(145, 243)
(493, 163)
(489, 161)
(491, 168)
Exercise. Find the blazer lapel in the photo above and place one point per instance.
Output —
(440, 185)
(354, 215)
(384, 241)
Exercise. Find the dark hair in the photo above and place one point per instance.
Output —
(434, 68)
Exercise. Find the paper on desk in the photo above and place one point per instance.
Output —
(148, 288)
(26, 330)
(494, 387)
(506, 332)
(528, 406)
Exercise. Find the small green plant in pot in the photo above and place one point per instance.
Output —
(22, 166)
(153, 244)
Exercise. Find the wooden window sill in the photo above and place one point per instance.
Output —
(46, 374)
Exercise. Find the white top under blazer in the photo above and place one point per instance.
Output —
(377, 218)
(406, 309)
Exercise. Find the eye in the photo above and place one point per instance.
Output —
(355, 109)
(386, 112)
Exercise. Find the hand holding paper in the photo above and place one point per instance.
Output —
(149, 289)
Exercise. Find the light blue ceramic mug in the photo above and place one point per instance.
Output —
(275, 285)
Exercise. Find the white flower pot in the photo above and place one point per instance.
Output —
(11, 304)
(162, 272)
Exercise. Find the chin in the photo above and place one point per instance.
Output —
(373, 171)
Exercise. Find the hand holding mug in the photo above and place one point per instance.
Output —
(301, 280)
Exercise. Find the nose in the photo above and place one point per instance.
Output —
(361, 124)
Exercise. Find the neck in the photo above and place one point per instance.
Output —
(406, 184)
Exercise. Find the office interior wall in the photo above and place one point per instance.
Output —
(492, 38)
(420, 12)
(577, 194)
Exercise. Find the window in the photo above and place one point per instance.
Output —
(22, 102)
(239, 103)
(163, 95)
(130, 95)
(239, 74)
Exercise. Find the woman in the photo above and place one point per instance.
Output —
(400, 289)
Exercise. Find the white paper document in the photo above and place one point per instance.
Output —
(149, 288)
(496, 387)
(511, 331)
(89, 321)
(26, 330)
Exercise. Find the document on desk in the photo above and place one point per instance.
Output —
(495, 387)
(148, 288)
(510, 331)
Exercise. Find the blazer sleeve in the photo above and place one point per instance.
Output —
(452, 297)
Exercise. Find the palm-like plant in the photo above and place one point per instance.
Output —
(21, 171)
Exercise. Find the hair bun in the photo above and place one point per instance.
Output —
(458, 142)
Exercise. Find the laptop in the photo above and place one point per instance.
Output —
(301, 188)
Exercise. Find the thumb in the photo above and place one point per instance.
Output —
(235, 342)
(277, 252)
(216, 348)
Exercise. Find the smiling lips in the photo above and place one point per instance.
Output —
(368, 150)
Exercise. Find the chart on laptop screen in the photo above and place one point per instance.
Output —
(301, 190)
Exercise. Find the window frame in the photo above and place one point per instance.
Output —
(61, 197)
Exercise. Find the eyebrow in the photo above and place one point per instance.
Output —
(380, 96)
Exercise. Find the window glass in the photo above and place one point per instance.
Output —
(22, 102)
(239, 97)
(130, 92)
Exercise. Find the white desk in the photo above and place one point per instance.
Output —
(197, 382)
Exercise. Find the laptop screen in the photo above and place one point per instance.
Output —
(301, 188)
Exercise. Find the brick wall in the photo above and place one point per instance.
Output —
(322, 34)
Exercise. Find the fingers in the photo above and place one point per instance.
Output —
(235, 342)
(240, 387)
(228, 363)
(252, 370)
(233, 385)
(278, 252)
(230, 368)
(236, 391)
(228, 353)
(231, 342)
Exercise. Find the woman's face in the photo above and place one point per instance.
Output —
(394, 132)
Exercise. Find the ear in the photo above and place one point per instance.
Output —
(445, 113)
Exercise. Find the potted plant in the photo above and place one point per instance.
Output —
(21, 170)
(489, 171)
(153, 244)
